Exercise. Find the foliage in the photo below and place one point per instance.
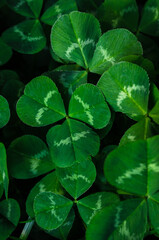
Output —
(79, 119)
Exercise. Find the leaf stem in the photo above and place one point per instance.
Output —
(26, 230)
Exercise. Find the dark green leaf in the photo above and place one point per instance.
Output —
(4, 112)
(28, 157)
(154, 113)
(26, 37)
(5, 52)
(3, 169)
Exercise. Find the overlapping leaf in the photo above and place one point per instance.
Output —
(126, 88)
(42, 101)
(57, 10)
(154, 113)
(88, 104)
(4, 112)
(26, 37)
(150, 18)
(74, 140)
(78, 178)
(26, 8)
(134, 167)
(51, 210)
(109, 52)
(115, 14)
(74, 37)
(3, 169)
(28, 157)
(89, 206)
(9, 217)
(126, 220)
(5, 52)
(48, 183)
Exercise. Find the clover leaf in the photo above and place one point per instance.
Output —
(4, 112)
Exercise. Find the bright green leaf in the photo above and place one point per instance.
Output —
(74, 140)
(115, 14)
(51, 210)
(78, 178)
(89, 206)
(134, 167)
(74, 37)
(126, 88)
(4, 112)
(5, 52)
(57, 10)
(26, 37)
(150, 18)
(41, 103)
(9, 217)
(153, 206)
(3, 168)
(109, 52)
(28, 157)
(48, 183)
(124, 221)
(88, 104)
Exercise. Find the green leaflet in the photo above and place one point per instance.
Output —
(126, 220)
(154, 113)
(109, 52)
(89, 206)
(74, 140)
(51, 210)
(67, 81)
(9, 217)
(26, 37)
(28, 157)
(63, 231)
(78, 178)
(74, 36)
(4, 112)
(3, 169)
(41, 103)
(88, 104)
(150, 18)
(5, 52)
(126, 88)
(28, 8)
(115, 14)
(134, 167)
(48, 183)
(153, 207)
(57, 10)
(1, 187)
(140, 130)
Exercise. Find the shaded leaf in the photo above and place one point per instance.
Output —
(57, 10)
(48, 183)
(28, 157)
(154, 113)
(5, 52)
(9, 217)
(3, 169)
(4, 112)
(89, 206)
(26, 37)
